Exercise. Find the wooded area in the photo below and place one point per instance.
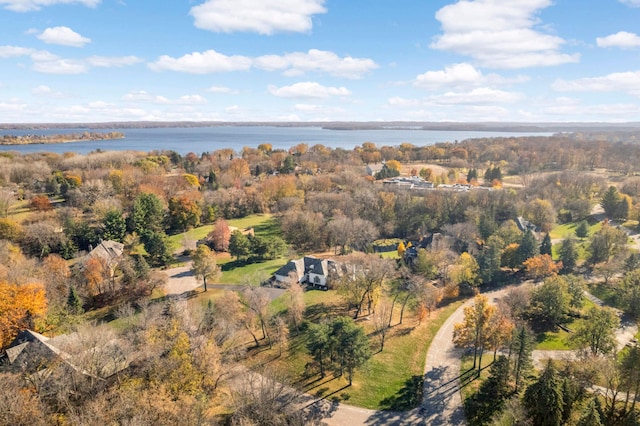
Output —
(85, 241)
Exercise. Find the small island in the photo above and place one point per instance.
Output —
(59, 138)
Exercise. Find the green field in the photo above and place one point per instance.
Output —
(391, 380)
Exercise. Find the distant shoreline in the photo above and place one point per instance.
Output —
(9, 140)
(542, 127)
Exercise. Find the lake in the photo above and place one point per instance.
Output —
(207, 139)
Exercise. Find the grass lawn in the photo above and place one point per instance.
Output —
(390, 380)
(253, 273)
(471, 383)
(389, 255)
(606, 293)
(568, 230)
(558, 340)
(263, 224)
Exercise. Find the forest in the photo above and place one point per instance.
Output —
(89, 246)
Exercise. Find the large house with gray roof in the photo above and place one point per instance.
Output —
(312, 271)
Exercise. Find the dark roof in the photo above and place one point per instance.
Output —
(292, 266)
(316, 266)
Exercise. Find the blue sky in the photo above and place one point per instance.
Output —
(319, 60)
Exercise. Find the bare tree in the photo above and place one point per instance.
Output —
(381, 321)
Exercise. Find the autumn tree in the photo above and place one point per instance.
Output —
(219, 237)
(41, 203)
(295, 302)
(7, 200)
(184, 213)
(56, 275)
(541, 266)
(474, 331)
(204, 265)
(381, 322)
(465, 271)
(20, 307)
(364, 283)
(541, 213)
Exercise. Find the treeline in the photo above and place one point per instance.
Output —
(58, 138)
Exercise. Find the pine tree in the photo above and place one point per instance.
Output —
(521, 348)
(610, 201)
(568, 255)
(582, 230)
(543, 399)
(590, 416)
(545, 246)
(74, 303)
(528, 247)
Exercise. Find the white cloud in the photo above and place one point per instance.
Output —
(206, 62)
(318, 109)
(46, 92)
(620, 39)
(60, 66)
(292, 64)
(14, 51)
(614, 112)
(631, 3)
(456, 74)
(627, 82)
(112, 61)
(308, 89)
(33, 5)
(481, 95)
(260, 16)
(499, 34)
(141, 96)
(322, 61)
(221, 89)
(64, 36)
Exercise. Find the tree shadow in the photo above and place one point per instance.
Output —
(408, 397)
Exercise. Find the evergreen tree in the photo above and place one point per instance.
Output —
(543, 399)
(114, 226)
(147, 214)
(582, 230)
(568, 255)
(74, 303)
(472, 175)
(521, 347)
(156, 245)
(545, 246)
(610, 201)
(591, 415)
(528, 247)
(239, 245)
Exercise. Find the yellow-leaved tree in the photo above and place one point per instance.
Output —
(20, 306)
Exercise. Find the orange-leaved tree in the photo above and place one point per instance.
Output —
(20, 306)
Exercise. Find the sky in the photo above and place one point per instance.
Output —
(73, 61)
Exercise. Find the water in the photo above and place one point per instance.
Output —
(207, 139)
